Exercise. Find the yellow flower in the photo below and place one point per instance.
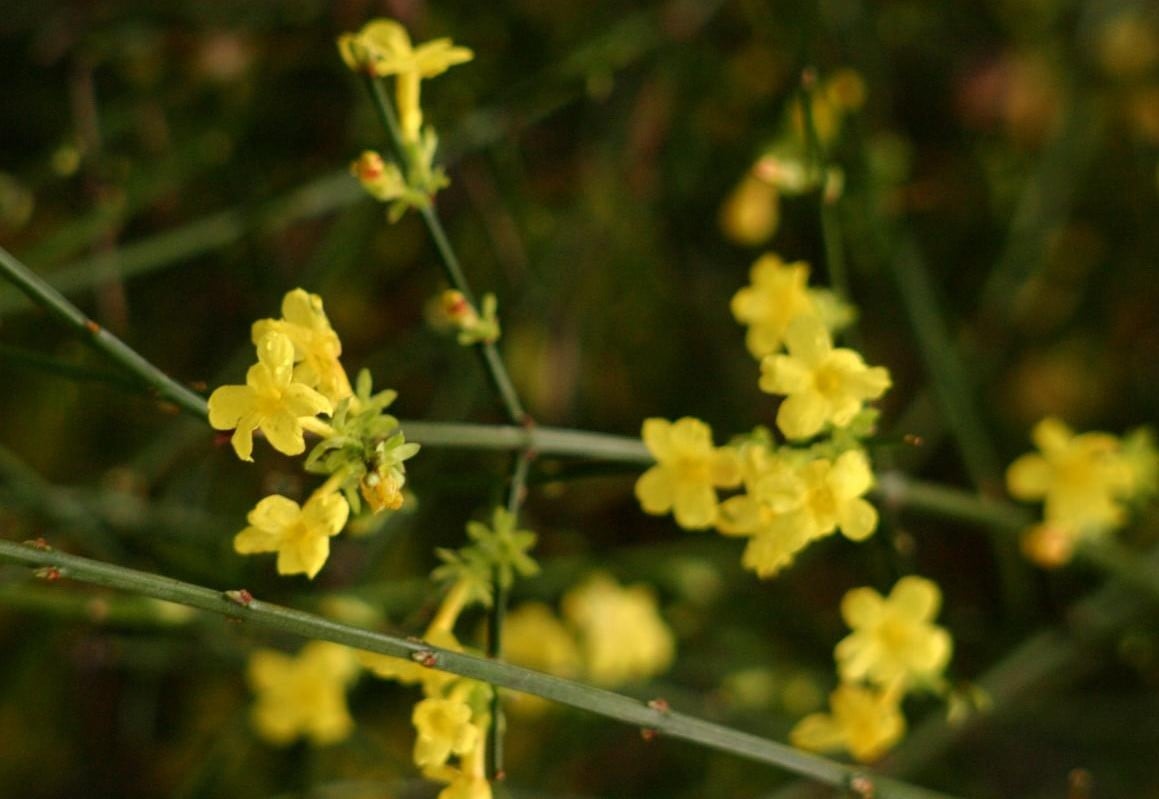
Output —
(444, 728)
(863, 721)
(688, 470)
(460, 784)
(894, 642)
(778, 294)
(1082, 479)
(823, 384)
(270, 401)
(799, 504)
(384, 47)
(300, 536)
(303, 695)
(316, 345)
(622, 636)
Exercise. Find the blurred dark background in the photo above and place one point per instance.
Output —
(176, 168)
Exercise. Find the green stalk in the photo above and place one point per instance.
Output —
(541, 440)
(595, 700)
(54, 302)
(515, 496)
(492, 363)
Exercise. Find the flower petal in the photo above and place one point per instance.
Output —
(228, 404)
(916, 598)
(802, 415)
(284, 433)
(808, 340)
(655, 491)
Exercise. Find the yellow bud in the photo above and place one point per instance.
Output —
(382, 490)
(456, 308)
(1048, 546)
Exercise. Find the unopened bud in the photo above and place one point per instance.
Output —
(458, 309)
(1047, 545)
(382, 490)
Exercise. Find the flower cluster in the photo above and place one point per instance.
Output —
(1086, 483)
(382, 48)
(894, 648)
(751, 214)
(298, 377)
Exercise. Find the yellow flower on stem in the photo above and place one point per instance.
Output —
(1082, 479)
(823, 385)
(300, 535)
(864, 721)
(384, 48)
(777, 294)
(444, 728)
(302, 695)
(799, 505)
(270, 401)
(316, 345)
(894, 641)
(622, 636)
(687, 472)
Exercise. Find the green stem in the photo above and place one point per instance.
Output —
(492, 363)
(595, 700)
(540, 440)
(515, 496)
(830, 223)
(54, 302)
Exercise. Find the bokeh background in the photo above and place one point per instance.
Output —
(176, 167)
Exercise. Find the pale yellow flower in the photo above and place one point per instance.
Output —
(384, 47)
(302, 695)
(1082, 479)
(688, 470)
(300, 535)
(823, 385)
(777, 294)
(316, 345)
(863, 721)
(444, 728)
(622, 636)
(894, 641)
(270, 401)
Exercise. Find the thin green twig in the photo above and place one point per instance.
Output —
(55, 303)
(516, 493)
(55, 565)
(492, 363)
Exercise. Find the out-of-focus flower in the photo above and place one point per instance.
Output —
(864, 721)
(894, 641)
(622, 636)
(303, 695)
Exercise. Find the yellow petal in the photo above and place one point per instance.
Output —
(254, 540)
(305, 556)
(861, 607)
(228, 404)
(695, 506)
(784, 374)
(300, 400)
(655, 435)
(850, 475)
(284, 433)
(327, 514)
(817, 732)
(857, 519)
(243, 438)
(916, 598)
(1029, 477)
(1051, 436)
(808, 340)
(802, 415)
(725, 468)
(654, 490)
